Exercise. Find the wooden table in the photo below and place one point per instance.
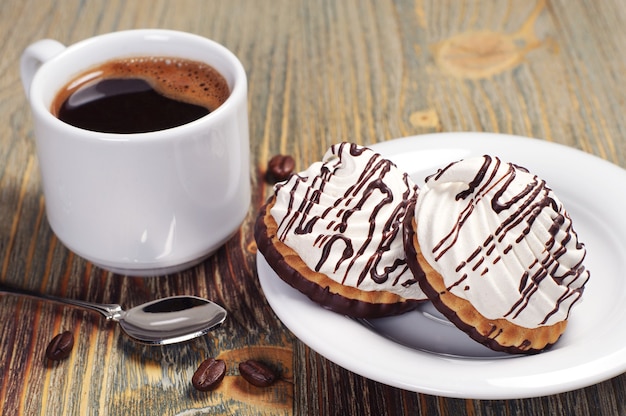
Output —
(319, 72)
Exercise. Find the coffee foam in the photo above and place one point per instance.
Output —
(176, 78)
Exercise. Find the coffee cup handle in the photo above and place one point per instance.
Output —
(35, 55)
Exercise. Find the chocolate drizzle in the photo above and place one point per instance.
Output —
(529, 220)
(356, 232)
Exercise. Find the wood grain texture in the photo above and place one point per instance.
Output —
(319, 72)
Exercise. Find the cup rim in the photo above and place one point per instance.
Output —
(238, 89)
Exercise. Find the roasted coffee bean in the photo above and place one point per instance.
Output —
(60, 346)
(209, 375)
(280, 168)
(257, 373)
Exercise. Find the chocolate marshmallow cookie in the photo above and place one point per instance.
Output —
(500, 256)
(334, 232)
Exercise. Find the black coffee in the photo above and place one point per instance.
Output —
(138, 95)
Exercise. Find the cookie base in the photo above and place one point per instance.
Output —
(497, 334)
(318, 287)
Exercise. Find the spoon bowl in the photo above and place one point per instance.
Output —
(171, 320)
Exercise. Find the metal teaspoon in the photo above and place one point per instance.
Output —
(159, 322)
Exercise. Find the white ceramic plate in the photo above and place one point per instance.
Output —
(418, 352)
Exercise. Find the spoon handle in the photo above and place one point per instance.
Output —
(110, 311)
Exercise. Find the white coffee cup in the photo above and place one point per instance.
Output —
(145, 203)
